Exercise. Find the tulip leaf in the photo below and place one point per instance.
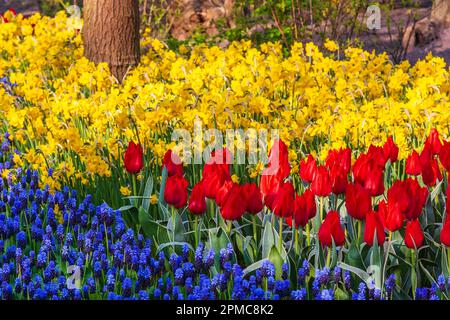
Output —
(436, 190)
(340, 294)
(353, 257)
(253, 267)
(277, 260)
(147, 192)
(176, 228)
(149, 227)
(173, 243)
(444, 262)
(163, 186)
(363, 275)
(268, 240)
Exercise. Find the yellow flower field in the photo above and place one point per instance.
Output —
(73, 116)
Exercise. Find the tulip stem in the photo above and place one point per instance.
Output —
(359, 231)
(448, 259)
(296, 232)
(308, 234)
(413, 273)
(229, 226)
(280, 239)
(133, 181)
(329, 257)
(196, 230)
(255, 229)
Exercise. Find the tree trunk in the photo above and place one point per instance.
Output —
(440, 13)
(111, 34)
(429, 28)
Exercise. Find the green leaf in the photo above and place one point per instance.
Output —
(175, 228)
(163, 186)
(148, 192)
(149, 227)
(254, 266)
(268, 240)
(275, 258)
(353, 257)
(339, 294)
(363, 275)
(173, 243)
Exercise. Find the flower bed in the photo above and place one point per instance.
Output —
(352, 203)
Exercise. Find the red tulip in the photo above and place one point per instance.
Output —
(430, 167)
(374, 226)
(304, 209)
(321, 183)
(331, 230)
(283, 201)
(378, 154)
(308, 168)
(413, 164)
(368, 171)
(223, 192)
(279, 160)
(434, 142)
(390, 150)
(357, 201)
(175, 192)
(269, 186)
(392, 216)
(445, 232)
(197, 201)
(173, 164)
(409, 198)
(214, 176)
(133, 158)
(339, 158)
(444, 155)
(219, 161)
(253, 197)
(234, 206)
(338, 179)
(413, 234)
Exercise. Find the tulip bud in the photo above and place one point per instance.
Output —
(331, 230)
(357, 201)
(197, 201)
(374, 226)
(413, 234)
(133, 158)
(175, 192)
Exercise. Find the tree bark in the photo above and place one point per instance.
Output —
(440, 13)
(111, 34)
